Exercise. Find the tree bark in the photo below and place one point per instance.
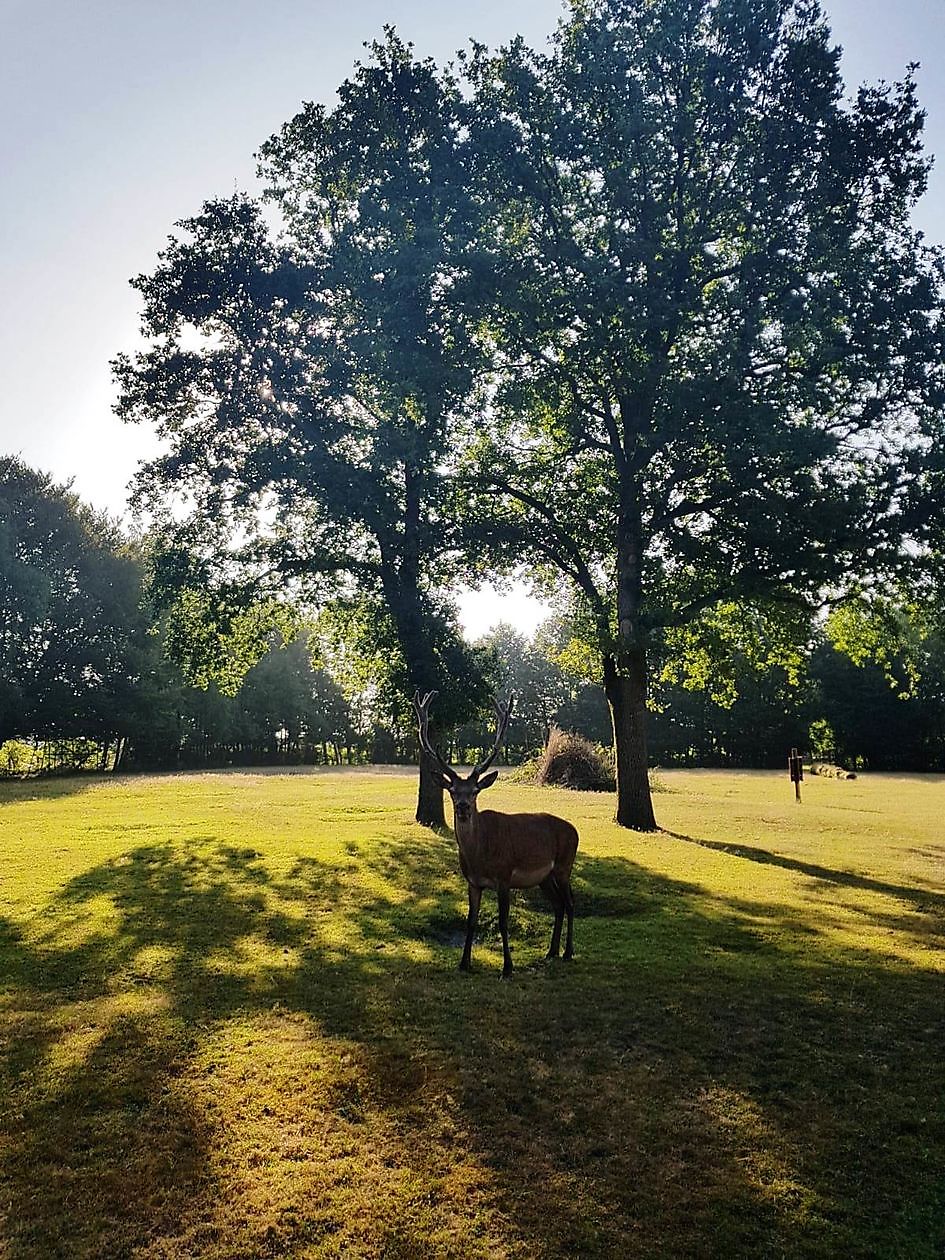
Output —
(625, 667)
(421, 672)
(625, 686)
(430, 795)
(400, 577)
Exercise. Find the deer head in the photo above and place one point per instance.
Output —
(463, 791)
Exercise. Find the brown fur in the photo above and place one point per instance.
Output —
(493, 846)
(504, 851)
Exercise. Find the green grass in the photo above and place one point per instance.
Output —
(231, 1026)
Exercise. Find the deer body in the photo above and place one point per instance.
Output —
(505, 851)
(514, 849)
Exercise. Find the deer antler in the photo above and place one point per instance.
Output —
(503, 713)
(422, 707)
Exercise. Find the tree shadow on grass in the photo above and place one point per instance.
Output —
(696, 1082)
(922, 898)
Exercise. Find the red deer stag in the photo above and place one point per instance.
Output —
(504, 851)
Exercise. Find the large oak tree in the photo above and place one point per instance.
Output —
(717, 338)
(305, 378)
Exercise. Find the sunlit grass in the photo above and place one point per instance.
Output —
(231, 1025)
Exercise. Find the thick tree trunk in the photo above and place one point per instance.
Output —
(421, 672)
(626, 695)
(625, 669)
(400, 578)
(430, 795)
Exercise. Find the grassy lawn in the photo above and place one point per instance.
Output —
(230, 1025)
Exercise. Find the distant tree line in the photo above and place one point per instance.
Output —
(89, 679)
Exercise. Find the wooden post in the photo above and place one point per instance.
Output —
(796, 767)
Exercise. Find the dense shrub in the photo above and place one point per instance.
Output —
(19, 759)
(16, 757)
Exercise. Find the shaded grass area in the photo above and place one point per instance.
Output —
(231, 1026)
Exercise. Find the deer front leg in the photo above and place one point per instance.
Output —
(502, 893)
(475, 897)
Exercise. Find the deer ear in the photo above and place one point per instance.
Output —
(487, 780)
(446, 782)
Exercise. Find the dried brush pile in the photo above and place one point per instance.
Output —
(571, 761)
(828, 771)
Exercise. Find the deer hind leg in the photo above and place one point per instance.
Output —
(503, 894)
(475, 897)
(553, 892)
(568, 895)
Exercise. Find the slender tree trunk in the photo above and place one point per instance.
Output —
(626, 696)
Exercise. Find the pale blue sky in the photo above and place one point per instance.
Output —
(121, 116)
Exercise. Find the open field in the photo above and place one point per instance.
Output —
(230, 1025)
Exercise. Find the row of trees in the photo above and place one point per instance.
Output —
(73, 644)
(644, 313)
(85, 675)
(84, 666)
